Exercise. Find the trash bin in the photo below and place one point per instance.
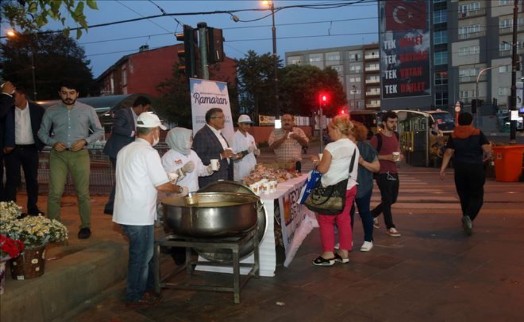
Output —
(508, 162)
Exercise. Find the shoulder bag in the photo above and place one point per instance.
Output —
(329, 200)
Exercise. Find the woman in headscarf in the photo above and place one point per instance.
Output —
(182, 163)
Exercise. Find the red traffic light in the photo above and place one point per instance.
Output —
(323, 98)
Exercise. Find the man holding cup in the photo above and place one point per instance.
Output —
(287, 142)
(387, 145)
(244, 144)
(209, 144)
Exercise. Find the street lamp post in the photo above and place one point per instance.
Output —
(477, 90)
(275, 60)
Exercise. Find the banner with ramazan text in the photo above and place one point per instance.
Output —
(206, 94)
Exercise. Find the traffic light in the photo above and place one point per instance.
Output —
(323, 99)
(215, 45)
(187, 56)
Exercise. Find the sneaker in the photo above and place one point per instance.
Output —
(393, 232)
(84, 233)
(467, 225)
(376, 224)
(321, 261)
(337, 245)
(339, 259)
(367, 246)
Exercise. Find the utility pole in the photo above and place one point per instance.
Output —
(202, 43)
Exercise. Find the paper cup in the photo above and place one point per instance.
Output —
(214, 164)
(396, 156)
(320, 156)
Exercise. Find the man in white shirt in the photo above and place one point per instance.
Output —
(21, 149)
(245, 147)
(139, 177)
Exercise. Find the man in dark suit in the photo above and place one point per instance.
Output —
(21, 148)
(209, 143)
(6, 102)
(122, 133)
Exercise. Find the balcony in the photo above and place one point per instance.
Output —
(470, 35)
(471, 13)
(372, 68)
(373, 106)
(373, 81)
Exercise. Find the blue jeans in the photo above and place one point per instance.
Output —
(140, 274)
(362, 203)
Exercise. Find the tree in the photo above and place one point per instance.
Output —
(300, 86)
(31, 15)
(54, 57)
(256, 84)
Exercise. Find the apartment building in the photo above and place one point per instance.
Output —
(357, 67)
(481, 51)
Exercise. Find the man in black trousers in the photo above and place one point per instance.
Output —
(7, 89)
(470, 149)
(21, 149)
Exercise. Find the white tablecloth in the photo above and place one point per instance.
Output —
(290, 215)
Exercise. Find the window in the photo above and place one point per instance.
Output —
(503, 2)
(441, 58)
(441, 78)
(441, 99)
(294, 60)
(124, 76)
(505, 69)
(440, 16)
(315, 58)
(471, 50)
(506, 23)
(503, 91)
(355, 79)
(355, 68)
(338, 68)
(440, 37)
(333, 56)
(355, 56)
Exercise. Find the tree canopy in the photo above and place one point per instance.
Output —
(54, 56)
(298, 87)
(31, 15)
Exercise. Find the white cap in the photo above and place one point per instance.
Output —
(149, 120)
(244, 119)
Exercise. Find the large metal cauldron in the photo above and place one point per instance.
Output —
(216, 215)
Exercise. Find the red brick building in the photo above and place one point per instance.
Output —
(141, 72)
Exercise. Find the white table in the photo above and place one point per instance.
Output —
(291, 216)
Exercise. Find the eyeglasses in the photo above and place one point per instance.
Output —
(217, 117)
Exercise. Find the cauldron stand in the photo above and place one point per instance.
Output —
(211, 245)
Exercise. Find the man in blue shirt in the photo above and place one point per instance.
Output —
(74, 125)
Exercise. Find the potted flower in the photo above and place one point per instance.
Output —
(35, 232)
(9, 248)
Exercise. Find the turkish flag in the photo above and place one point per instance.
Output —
(406, 15)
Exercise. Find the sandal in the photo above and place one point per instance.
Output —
(321, 261)
(339, 259)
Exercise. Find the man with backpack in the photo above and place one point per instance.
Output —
(386, 142)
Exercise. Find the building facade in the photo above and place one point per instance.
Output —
(357, 67)
(143, 71)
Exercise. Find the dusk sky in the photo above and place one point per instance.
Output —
(349, 22)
